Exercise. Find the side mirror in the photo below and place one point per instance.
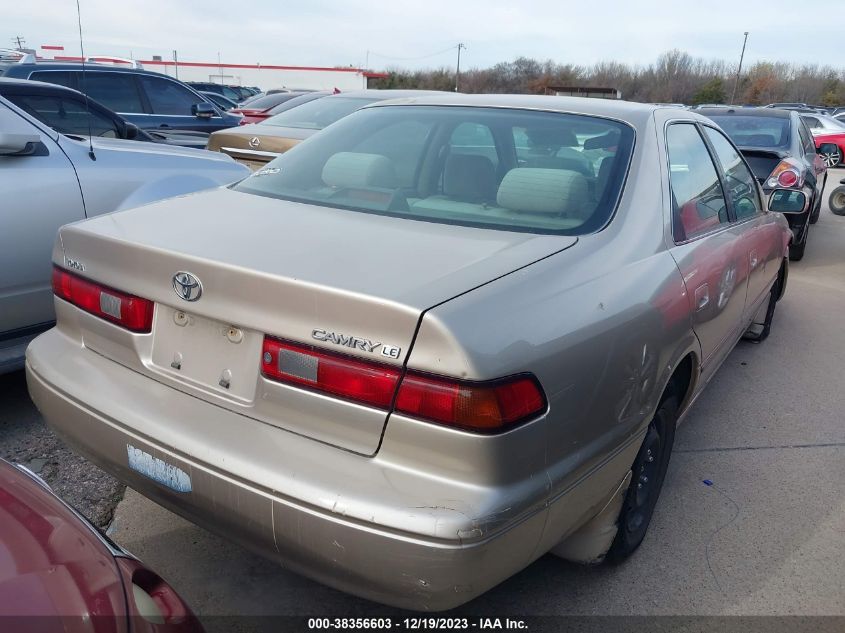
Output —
(130, 132)
(203, 110)
(18, 144)
(787, 201)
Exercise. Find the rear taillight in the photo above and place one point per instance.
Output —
(153, 604)
(128, 311)
(786, 174)
(369, 383)
(476, 406)
(482, 406)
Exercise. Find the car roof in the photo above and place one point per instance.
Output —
(24, 70)
(775, 113)
(610, 108)
(28, 86)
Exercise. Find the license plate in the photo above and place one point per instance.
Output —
(207, 353)
(158, 470)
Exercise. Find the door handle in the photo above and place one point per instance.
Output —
(164, 126)
(702, 297)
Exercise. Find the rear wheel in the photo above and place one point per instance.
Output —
(837, 201)
(817, 209)
(830, 154)
(648, 473)
(796, 249)
(759, 332)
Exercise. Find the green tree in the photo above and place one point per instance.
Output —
(711, 92)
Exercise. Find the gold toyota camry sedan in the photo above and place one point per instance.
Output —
(416, 352)
(257, 144)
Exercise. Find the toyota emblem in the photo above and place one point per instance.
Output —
(187, 286)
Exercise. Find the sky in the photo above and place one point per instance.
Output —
(380, 34)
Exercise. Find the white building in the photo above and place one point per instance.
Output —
(265, 77)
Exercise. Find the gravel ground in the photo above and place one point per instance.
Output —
(26, 439)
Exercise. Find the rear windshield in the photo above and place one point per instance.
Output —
(755, 131)
(268, 101)
(318, 114)
(496, 168)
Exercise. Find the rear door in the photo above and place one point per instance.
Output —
(708, 247)
(46, 196)
(759, 231)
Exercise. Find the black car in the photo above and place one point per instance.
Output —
(151, 101)
(780, 151)
(71, 113)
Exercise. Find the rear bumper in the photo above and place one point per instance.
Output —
(316, 537)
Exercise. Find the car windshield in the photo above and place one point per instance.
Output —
(318, 114)
(496, 168)
(755, 131)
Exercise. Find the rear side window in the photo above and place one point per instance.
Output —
(698, 202)
(61, 78)
(66, 116)
(116, 91)
(168, 97)
(742, 186)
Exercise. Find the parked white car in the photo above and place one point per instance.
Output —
(49, 179)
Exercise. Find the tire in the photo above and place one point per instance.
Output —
(837, 201)
(796, 251)
(817, 210)
(648, 473)
(775, 295)
(830, 154)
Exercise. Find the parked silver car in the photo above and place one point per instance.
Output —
(438, 339)
(49, 179)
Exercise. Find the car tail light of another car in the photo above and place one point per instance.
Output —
(153, 604)
(484, 407)
(787, 174)
(128, 311)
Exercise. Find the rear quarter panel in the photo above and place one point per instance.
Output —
(602, 325)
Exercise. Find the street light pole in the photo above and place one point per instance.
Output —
(458, 69)
(739, 70)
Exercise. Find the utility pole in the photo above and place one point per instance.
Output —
(739, 70)
(458, 69)
(19, 40)
(176, 63)
(219, 68)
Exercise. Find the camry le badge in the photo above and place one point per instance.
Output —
(187, 286)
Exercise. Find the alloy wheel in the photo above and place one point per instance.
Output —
(831, 158)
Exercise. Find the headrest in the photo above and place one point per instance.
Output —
(537, 190)
(469, 177)
(551, 137)
(604, 141)
(350, 170)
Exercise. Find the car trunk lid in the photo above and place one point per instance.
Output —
(285, 269)
(763, 161)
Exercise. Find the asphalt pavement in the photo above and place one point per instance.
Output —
(766, 538)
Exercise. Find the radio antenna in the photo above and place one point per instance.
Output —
(91, 154)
